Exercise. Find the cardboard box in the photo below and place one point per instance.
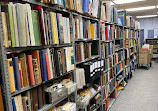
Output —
(144, 56)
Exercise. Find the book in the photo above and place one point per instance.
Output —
(43, 65)
(21, 21)
(36, 27)
(35, 55)
(11, 24)
(54, 25)
(36, 71)
(92, 31)
(30, 69)
(42, 25)
(20, 74)
(1, 100)
(15, 25)
(47, 66)
(5, 29)
(11, 75)
(29, 24)
(34, 99)
(69, 58)
(16, 72)
(18, 103)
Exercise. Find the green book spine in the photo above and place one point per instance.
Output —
(11, 25)
(36, 27)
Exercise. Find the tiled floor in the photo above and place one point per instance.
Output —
(141, 93)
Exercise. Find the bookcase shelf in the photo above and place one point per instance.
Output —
(45, 82)
(48, 106)
(88, 59)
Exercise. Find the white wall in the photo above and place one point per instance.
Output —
(149, 24)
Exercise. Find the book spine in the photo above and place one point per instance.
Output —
(30, 68)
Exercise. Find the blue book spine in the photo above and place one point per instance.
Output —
(59, 2)
(13, 103)
(44, 66)
(16, 72)
(85, 6)
(64, 3)
(83, 29)
(66, 33)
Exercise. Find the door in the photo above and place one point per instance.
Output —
(150, 33)
(141, 36)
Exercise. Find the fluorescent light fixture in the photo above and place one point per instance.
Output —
(126, 1)
(146, 16)
(141, 8)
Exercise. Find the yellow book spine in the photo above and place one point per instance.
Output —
(11, 75)
(56, 41)
(92, 31)
(5, 30)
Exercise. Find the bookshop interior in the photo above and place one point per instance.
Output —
(78, 55)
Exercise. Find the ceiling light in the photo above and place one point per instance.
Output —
(146, 16)
(126, 1)
(141, 8)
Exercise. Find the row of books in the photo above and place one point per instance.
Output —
(119, 67)
(107, 32)
(108, 89)
(35, 27)
(38, 27)
(90, 7)
(128, 21)
(107, 49)
(119, 32)
(30, 101)
(85, 50)
(108, 12)
(33, 67)
(118, 44)
(109, 63)
(84, 29)
(119, 56)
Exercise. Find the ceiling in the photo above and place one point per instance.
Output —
(139, 4)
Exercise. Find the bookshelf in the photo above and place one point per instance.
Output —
(118, 72)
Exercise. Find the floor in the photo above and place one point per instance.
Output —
(141, 93)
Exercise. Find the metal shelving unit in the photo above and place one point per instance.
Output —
(4, 52)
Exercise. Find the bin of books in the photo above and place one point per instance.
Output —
(56, 92)
(145, 55)
(70, 85)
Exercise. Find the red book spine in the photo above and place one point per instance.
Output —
(21, 79)
(106, 32)
(47, 66)
(30, 67)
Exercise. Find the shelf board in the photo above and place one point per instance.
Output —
(54, 7)
(107, 41)
(119, 49)
(119, 72)
(109, 56)
(119, 92)
(118, 39)
(31, 87)
(86, 40)
(88, 59)
(112, 100)
(31, 48)
(120, 80)
(48, 106)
